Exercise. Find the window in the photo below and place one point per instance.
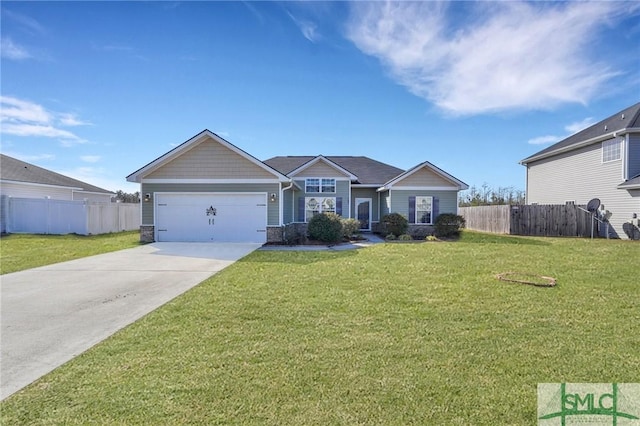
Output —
(320, 185)
(611, 150)
(312, 185)
(328, 185)
(317, 205)
(424, 207)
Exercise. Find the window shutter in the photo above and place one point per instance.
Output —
(436, 209)
(412, 209)
(339, 206)
(300, 209)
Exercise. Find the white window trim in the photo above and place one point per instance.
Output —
(417, 218)
(320, 191)
(609, 146)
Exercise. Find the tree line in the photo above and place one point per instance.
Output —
(485, 195)
(125, 197)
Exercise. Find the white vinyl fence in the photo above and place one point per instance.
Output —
(46, 216)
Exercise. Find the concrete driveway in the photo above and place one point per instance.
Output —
(53, 313)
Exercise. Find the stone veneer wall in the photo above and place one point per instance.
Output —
(274, 234)
(147, 233)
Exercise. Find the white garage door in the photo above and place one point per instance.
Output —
(217, 217)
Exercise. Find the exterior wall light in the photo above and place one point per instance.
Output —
(272, 197)
(147, 197)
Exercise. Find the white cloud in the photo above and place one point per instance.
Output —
(571, 129)
(90, 158)
(579, 125)
(11, 50)
(31, 158)
(544, 140)
(27, 119)
(502, 56)
(309, 29)
(28, 24)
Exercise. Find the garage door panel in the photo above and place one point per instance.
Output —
(211, 217)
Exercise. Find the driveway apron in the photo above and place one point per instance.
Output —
(53, 313)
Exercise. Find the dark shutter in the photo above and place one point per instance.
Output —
(412, 209)
(339, 206)
(300, 209)
(436, 209)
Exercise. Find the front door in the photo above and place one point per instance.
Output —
(363, 213)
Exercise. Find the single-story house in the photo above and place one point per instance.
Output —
(207, 189)
(20, 179)
(601, 161)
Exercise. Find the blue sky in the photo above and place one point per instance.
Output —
(96, 90)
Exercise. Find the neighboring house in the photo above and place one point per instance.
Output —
(601, 161)
(207, 189)
(23, 180)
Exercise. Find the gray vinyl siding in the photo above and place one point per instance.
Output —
(448, 200)
(288, 206)
(634, 155)
(579, 176)
(19, 190)
(342, 190)
(152, 188)
(366, 193)
(385, 208)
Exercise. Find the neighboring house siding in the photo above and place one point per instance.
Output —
(98, 198)
(447, 201)
(634, 155)
(210, 160)
(423, 177)
(152, 188)
(579, 176)
(320, 169)
(366, 193)
(20, 190)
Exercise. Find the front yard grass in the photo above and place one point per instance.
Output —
(23, 251)
(391, 334)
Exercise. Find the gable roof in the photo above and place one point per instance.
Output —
(367, 171)
(324, 159)
(195, 140)
(619, 123)
(14, 170)
(460, 184)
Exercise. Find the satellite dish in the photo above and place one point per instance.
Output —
(593, 205)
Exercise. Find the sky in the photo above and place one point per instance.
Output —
(96, 90)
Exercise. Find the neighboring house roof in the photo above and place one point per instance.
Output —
(460, 184)
(633, 183)
(14, 170)
(620, 123)
(185, 146)
(367, 171)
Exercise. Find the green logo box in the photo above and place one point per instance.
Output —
(616, 404)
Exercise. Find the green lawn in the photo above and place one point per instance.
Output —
(22, 251)
(393, 334)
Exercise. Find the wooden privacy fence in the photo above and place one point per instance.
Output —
(46, 216)
(552, 220)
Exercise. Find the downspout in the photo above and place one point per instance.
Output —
(284, 232)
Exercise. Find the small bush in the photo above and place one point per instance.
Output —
(431, 238)
(405, 237)
(350, 227)
(448, 225)
(395, 223)
(325, 227)
(390, 237)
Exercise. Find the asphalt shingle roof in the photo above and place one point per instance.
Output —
(368, 171)
(627, 118)
(19, 171)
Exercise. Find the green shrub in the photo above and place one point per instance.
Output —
(395, 223)
(405, 237)
(325, 227)
(448, 224)
(350, 227)
(390, 237)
